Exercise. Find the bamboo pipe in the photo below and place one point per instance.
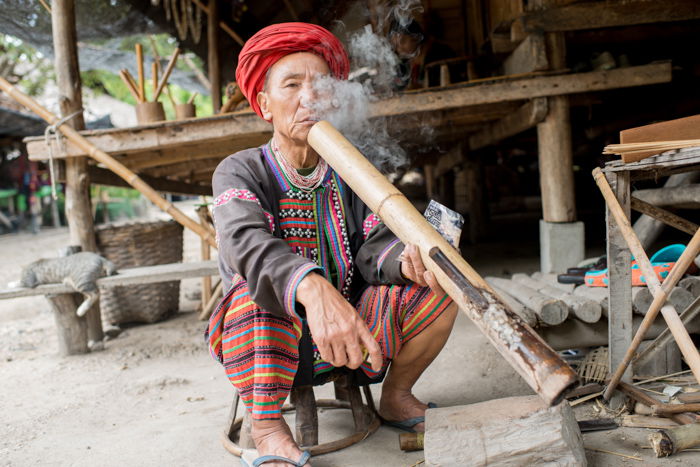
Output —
(142, 78)
(166, 73)
(154, 78)
(675, 325)
(112, 164)
(529, 355)
(130, 85)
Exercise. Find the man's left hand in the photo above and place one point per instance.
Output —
(413, 269)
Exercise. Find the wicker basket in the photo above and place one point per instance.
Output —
(133, 245)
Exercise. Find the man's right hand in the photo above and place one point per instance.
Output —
(337, 329)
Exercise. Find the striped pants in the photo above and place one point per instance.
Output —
(260, 351)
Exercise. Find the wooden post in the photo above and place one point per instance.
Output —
(554, 143)
(306, 418)
(213, 55)
(620, 277)
(71, 330)
(202, 212)
(78, 209)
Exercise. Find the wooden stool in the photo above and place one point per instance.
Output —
(303, 402)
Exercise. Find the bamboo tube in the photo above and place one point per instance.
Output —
(112, 164)
(130, 86)
(142, 78)
(530, 356)
(166, 73)
(669, 441)
(154, 78)
(192, 97)
(675, 325)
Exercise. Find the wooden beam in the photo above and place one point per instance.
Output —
(522, 88)
(530, 55)
(107, 177)
(524, 118)
(130, 276)
(213, 55)
(595, 15)
(667, 217)
(160, 136)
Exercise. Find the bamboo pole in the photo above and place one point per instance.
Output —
(130, 85)
(166, 73)
(530, 356)
(142, 77)
(675, 325)
(112, 164)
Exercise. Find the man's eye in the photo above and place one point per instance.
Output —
(291, 85)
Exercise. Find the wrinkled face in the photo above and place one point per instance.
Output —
(289, 91)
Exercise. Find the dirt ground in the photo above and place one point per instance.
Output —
(155, 397)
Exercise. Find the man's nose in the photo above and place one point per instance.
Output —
(308, 93)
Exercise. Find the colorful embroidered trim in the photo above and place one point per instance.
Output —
(383, 255)
(370, 223)
(290, 292)
(244, 195)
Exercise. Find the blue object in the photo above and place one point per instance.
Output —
(305, 455)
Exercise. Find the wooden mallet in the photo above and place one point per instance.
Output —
(541, 367)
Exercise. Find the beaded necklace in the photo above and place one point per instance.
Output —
(303, 182)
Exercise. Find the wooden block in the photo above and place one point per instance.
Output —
(510, 431)
(680, 128)
(551, 279)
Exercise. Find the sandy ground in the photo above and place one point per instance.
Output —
(155, 397)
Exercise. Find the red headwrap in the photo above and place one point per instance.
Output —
(270, 44)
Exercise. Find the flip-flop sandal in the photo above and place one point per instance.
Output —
(662, 261)
(257, 461)
(407, 425)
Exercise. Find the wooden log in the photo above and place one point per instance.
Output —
(678, 297)
(597, 294)
(205, 253)
(551, 279)
(550, 311)
(646, 227)
(657, 407)
(685, 343)
(78, 201)
(72, 331)
(646, 421)
(213, 55)
(680, 196)
(524, 118)
(538, 364)
(555, 155)
(510, 431)
(584, 309)
(672, 440)
(526, 314)
(691, 284)
(411, 441)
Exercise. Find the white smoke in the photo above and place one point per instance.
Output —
(375, 73)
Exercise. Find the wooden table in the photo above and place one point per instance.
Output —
(620, 176)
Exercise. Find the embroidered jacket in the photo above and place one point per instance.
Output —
(271, 234)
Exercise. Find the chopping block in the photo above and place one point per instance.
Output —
(513, 431)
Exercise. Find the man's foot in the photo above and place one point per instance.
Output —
(397, 406)
(273, 437)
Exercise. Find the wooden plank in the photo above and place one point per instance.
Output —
(213, 55)
(161, 135)
(667, 217)
(106, 177)
(620, 279)
(595, 15)
(466, 95)
(522, 119)
(530, 55)
(130, 276)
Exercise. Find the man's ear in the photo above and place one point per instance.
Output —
(262, 102)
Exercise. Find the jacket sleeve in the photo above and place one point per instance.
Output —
(247, 244)
(377, 258)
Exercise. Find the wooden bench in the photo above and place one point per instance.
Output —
(73, 330)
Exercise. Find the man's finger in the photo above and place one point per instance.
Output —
(355, 357)
(326, 352)
(417, 264)
(432, 282)
(375, 352)
(340, 357)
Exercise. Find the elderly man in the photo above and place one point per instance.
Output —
(314, 281)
